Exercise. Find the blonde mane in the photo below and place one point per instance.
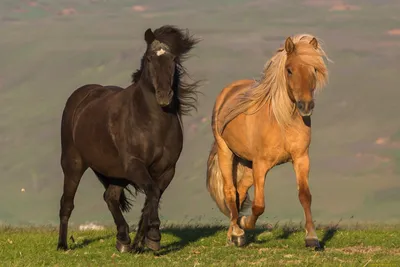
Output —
(272, 88)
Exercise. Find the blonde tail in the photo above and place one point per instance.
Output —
(215, 185)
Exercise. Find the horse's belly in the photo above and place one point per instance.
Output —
(95, 145)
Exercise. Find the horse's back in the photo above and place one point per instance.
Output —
(77, 101)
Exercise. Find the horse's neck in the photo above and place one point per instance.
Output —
(144, 94)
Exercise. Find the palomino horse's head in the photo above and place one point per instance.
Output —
(160, 64)
(302, 66)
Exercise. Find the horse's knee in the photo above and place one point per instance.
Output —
(257, 210)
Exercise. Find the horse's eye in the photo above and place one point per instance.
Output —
(315, 69)
(289, 71)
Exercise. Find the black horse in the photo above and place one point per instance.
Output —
(130, 136)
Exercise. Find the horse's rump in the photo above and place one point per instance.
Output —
(227, 100)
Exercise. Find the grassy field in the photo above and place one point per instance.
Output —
(50, 47)
(206, 246)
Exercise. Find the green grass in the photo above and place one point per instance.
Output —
(45, 56)
(206, 246)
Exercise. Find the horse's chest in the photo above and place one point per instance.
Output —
(161, 144)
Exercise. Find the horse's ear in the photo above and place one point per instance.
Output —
(149, 36)
(314, 43)
(289, 45)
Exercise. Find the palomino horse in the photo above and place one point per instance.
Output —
(130, 136)
(258, 125)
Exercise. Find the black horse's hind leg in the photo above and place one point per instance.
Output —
(73, 168)
(112, 197)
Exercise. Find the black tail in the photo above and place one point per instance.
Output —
(125, 203)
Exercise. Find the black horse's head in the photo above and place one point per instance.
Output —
(161, 67)
(159, 63)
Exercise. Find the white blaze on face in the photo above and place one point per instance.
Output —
(160, 52)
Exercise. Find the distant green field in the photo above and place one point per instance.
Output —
(205, 246)
(48, 48)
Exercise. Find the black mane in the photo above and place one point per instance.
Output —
(180, 43)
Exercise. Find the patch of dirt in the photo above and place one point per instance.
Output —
(366, 250)
(33, 3)
(382, 140)
(358, 250)
(67, 12)
(333, 5)
(386, 142)
(394, 32)
(139, 8)
(344, 7)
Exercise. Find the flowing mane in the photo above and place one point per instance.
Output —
(179, 43)
(272, 88)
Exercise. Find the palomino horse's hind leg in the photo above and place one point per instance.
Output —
(73, 168)
(260, 169)
(243, 187)
(225, 157)
(302, 167)
(112, 198)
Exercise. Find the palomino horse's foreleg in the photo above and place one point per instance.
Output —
(225, 158)
(302, 166)
(260, 169)
(112, 198)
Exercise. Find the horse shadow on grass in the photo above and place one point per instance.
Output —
(87, 241)
(286, 231)
(187, 235)
(329, 233)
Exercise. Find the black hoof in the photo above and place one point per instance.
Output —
(123, 247)
(62, 247)
(151, 244)
(239, 241)
(312, 243)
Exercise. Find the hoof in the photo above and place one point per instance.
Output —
(123, 247)
(312, 243)
(62, 247)
(151, 244)
(239, 241)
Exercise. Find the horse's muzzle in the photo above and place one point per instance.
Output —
(305, 107)
(164, 98)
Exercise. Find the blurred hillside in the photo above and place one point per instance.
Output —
(49, 48)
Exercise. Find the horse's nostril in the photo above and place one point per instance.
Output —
(300, 105)
(312, 105)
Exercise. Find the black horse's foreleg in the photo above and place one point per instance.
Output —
(112, 197)
(139, 175)
(153, 236)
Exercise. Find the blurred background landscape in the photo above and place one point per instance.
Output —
(49, 48)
